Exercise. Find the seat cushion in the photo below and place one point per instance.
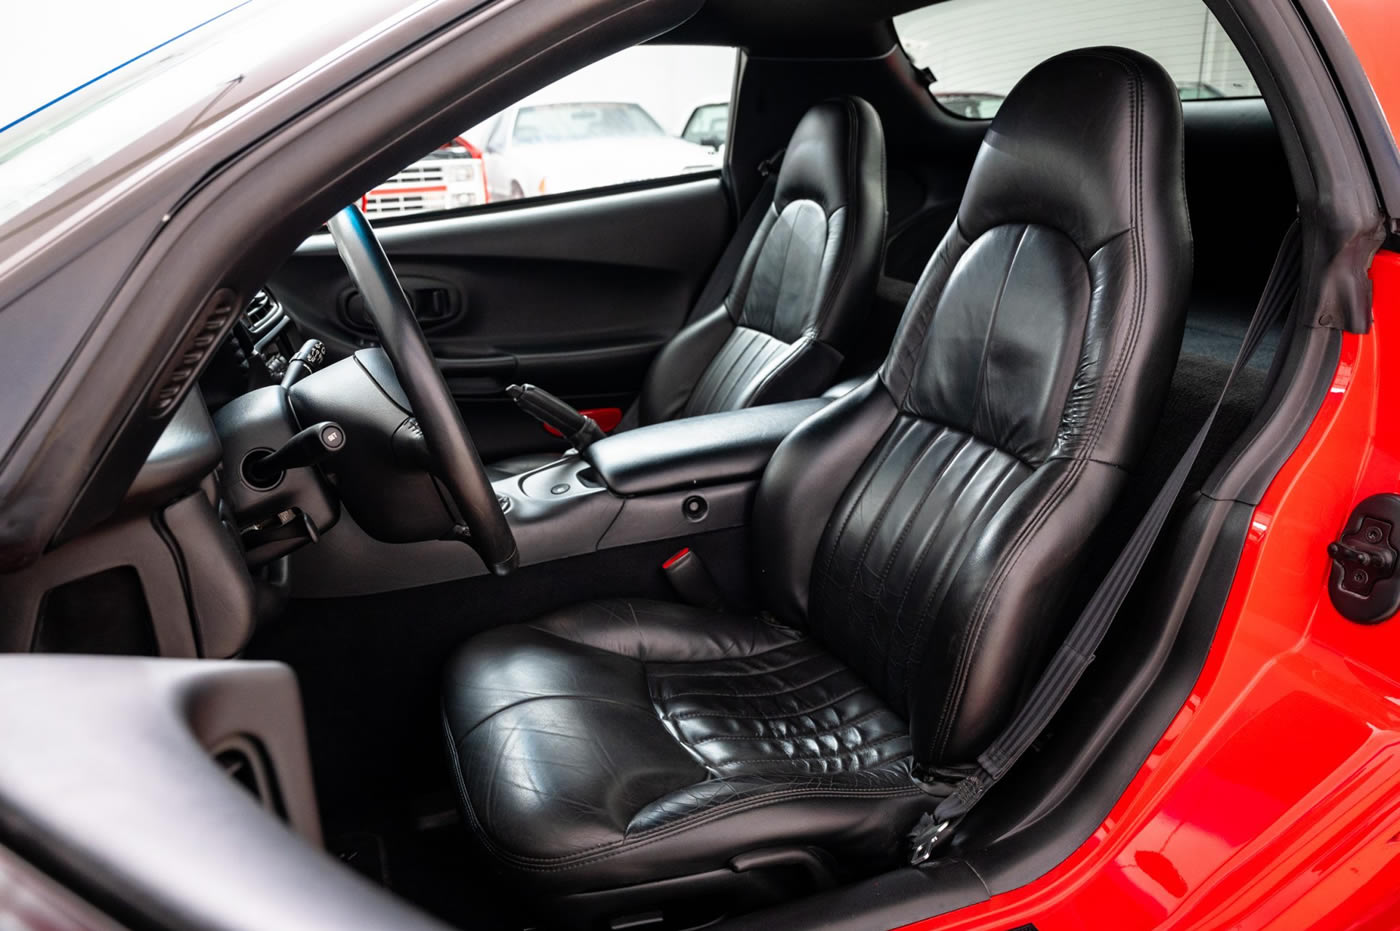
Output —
(616, 742)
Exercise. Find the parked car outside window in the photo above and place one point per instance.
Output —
(708, 125)
(450, 176)
(645, 113)
(561, 147)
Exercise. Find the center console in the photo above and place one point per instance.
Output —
(666, 481)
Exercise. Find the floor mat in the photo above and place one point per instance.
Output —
(421, 854)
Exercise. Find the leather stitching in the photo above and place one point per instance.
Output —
(888, 448)
(766, 352)
(712, 382)
(854, 751)
(991, 330)
(848, 232)
(946, 573)
(731, 674)
(827, 703)
(796, 351)
(878, 523)
(787, 691)
(613, 848)
(806, 735)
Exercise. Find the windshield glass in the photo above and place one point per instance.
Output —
(571, 122)
(174, 83)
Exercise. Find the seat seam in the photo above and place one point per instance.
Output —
(879, 522)
(944, 575)
(795, 351)
(913, 515)
(991, 326)
(886, 451)
(765, 354)
(846, 259)
(859, 719)
(645, 664)
(535, 698)
(889, 738)
(653, 835)
(727, 357)
(787, 691)
(687, 715)
(1001, 572)
(739, 674)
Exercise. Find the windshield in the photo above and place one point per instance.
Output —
(150, 95)
(571, 122)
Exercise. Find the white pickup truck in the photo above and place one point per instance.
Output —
(451, 176)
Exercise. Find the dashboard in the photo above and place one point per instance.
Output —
(169, 573)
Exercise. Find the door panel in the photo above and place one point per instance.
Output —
(575, 296)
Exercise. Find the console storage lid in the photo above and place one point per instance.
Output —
(696, 451)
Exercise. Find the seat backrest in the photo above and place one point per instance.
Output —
(926, 526)
(807, 277)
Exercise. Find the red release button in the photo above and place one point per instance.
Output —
(607, 419)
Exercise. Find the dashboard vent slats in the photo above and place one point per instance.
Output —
(188, 358)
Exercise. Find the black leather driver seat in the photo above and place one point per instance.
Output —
(913, 540)
(800, 292)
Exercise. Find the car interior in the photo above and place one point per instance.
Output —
(889, 393)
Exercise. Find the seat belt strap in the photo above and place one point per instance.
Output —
(1077, 650)
(718, 284)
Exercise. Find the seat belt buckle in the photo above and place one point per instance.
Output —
(692, 581)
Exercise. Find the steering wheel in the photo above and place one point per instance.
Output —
(454, 457)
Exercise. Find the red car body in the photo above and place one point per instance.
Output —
(1273, 799)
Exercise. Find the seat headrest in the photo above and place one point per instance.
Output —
(824, 158)
(1067, 146)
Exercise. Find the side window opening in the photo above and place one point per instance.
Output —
(645, 113)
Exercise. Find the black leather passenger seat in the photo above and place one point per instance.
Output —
(800, 292)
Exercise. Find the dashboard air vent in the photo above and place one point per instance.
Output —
(242, 760)
(262, 313)
(216, 315)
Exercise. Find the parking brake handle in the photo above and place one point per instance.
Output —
(579, 429)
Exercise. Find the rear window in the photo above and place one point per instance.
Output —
(978, 49)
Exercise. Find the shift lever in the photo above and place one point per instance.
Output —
(308, 447)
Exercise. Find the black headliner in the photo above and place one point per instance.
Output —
(797, 28)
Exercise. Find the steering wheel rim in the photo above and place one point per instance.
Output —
(450, 446)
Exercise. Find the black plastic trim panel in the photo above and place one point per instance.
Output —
(1366, 112)
(187, 847)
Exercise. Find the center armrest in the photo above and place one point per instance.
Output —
(695, 451)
